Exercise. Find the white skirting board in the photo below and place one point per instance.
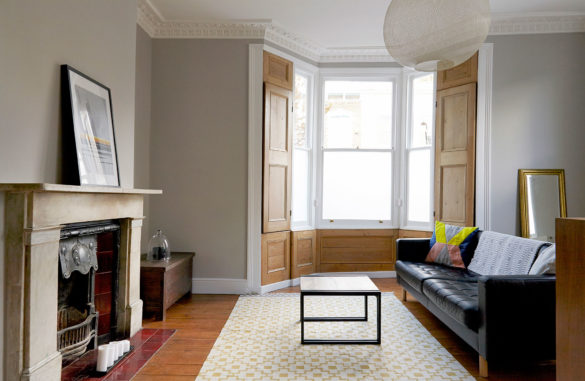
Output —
(240, 286)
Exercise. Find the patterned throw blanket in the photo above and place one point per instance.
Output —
(503, 254)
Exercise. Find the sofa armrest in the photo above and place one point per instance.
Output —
(412, 249)
(517, 317)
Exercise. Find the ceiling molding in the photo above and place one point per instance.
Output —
(153, 23)
(358, 54)
(507, 24)
(148, 17)
(293, 42)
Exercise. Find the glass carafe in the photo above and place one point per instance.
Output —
(158, 247)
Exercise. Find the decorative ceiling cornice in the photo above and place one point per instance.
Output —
(505, 24)
(157, 27)
(148, 18)
(153, 23)
(358, 54)
(293, 42)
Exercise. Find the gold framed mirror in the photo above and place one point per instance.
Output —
(542, 200)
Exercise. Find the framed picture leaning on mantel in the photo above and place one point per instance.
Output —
(89, 143)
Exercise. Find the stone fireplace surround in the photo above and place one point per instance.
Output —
(34, 215)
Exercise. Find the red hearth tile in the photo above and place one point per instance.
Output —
(152, 345)
(146, 343)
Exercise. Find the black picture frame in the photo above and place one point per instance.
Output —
(90, 156)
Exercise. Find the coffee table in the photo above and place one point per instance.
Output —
(340, 286)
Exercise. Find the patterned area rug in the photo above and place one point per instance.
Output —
(261, 341)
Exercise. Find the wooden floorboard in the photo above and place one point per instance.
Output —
(199, 319)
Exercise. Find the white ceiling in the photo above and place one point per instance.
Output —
(330, 23)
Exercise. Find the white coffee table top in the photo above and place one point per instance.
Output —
(337, 284)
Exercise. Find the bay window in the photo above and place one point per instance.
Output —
(357, 151)
(302, 166)
(373, 163)
(418, 149)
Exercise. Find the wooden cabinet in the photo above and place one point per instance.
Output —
(275, 257)
(278, 71)
(163, 283)
(570, 268)
(303, 253)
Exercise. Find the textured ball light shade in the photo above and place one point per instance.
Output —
(431, 35)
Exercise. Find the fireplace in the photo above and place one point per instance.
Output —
(88, 287)
(40, 330)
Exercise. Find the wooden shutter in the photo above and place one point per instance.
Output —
(459, 75)
(275, 257)
(277, 159)
(278, 71)
(455, 155)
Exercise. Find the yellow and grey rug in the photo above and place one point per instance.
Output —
(261, 341)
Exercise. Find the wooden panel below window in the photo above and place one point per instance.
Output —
(303, 253)
(459, 75)
(275, 257)
(414, 234)
(357, 250)
(351, 267)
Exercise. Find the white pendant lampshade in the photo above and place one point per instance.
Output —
(431, 35)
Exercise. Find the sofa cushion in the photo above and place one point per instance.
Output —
(545, 262)
(451, 245)
(457, 299)
(414, 273)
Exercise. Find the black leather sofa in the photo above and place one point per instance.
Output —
(504, 318)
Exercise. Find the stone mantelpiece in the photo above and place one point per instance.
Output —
(34, 215)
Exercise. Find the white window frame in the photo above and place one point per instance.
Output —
(310, 73)
(409, 76)
(366, 74)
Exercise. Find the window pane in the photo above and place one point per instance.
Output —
(358, 114)
(419, 185)
(300, 110)
(422, 111)
(357, 185)
(300, 183)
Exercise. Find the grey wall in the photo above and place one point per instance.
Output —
(36, 37)
(538, 118)
(199, 151)
(142, 131)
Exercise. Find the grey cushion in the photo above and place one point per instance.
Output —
(545, 262)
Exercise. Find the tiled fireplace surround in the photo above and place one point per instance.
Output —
(34, 215)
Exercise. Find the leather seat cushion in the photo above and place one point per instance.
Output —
(415, 273)
(457, 299)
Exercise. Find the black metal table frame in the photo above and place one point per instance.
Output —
(365, 294)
